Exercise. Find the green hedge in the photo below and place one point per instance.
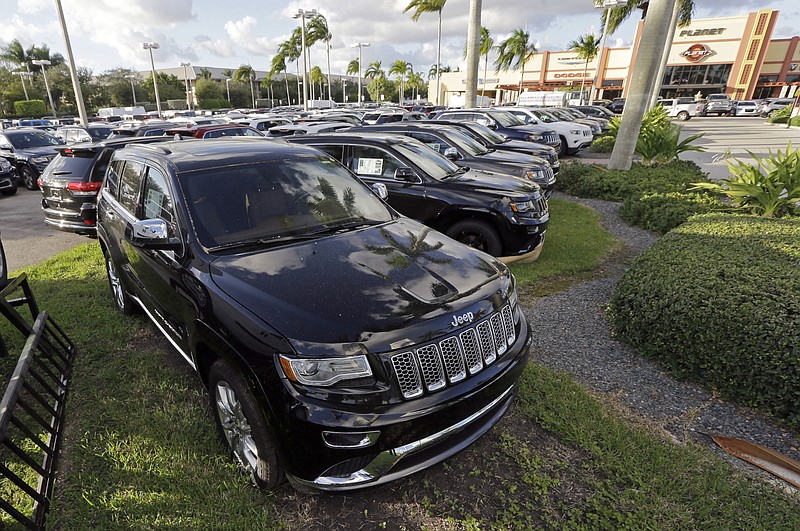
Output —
(603, 144)
(654, 197)
(717, 300)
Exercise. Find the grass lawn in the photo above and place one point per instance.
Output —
(141, 450)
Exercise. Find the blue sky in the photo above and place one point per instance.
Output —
(108, 33)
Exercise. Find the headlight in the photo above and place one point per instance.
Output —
(535, 174)
(534, 137)
(575, 131)
(4, 165)
(525, 209)
(41, 160)
(325, 372)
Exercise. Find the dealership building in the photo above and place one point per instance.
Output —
(734, 55)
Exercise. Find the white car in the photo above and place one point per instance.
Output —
(682, 108)
(574, 136)
(745, 108)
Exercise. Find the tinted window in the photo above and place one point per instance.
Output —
(156, 200)
(277, 198)
(74, 166)
(129, 184)
(368, 161)
(112, 177)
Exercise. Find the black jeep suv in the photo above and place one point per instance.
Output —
(497, 213)
(341, 343)
(468, 152)
(71, 181)
(29, 150)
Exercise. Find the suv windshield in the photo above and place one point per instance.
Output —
(545, 116)
(466, 143)
(506, 119)
(428, 160)
(275, 200)
(32, 139)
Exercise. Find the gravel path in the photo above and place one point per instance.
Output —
(573, 336)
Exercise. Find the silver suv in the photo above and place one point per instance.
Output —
(719, 104)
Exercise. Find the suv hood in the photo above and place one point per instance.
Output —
(514, 159)
(37, 151)
(379, 280)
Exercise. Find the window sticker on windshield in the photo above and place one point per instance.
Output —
(369, 167)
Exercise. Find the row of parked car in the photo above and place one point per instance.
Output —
(344, 338)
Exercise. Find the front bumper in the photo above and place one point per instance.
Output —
(411, 436)
(7, 182)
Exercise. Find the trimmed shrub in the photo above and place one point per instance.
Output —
(603, 144)
(717, 300)
(662, 212)
(30, 108)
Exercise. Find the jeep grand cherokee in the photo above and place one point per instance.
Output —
(342, 344)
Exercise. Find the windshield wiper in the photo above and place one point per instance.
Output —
(459, 171)
(342, 227)
(280, 239)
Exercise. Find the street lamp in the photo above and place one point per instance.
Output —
(43, 63)
(228, 88)
(359, 45)
(133, 89)
(186, 84)
(22, 80)
(607, 5)
(252, 92)
(150, 46)
(302, 14)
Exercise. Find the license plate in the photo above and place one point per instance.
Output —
(55, 193)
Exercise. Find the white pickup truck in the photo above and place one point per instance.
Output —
(682, 108)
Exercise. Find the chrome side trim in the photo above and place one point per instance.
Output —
(387, 459)
(164, 332)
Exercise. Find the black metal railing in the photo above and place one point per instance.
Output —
(32, 407)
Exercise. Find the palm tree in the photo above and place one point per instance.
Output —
(586, 47)
(401, 68)
(317, 30)
(438, 69)
(316, 76)
(416, 82)
(13, 53)
(622, 13)
(430, 6)
(514, 52)
(278, 64)
(246, 74)
(485, 45)
(352, 67)
(290, 49)
(374, 71)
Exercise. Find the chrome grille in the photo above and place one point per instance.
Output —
(435, 365)
(550, 138)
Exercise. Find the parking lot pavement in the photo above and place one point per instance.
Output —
(735, 136)
(26, 239)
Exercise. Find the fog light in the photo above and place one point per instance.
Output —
(350, 439)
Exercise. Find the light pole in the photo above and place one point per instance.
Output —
(228, 88)
(252, 93)
(153, 46)
(359, 45)
(302, 14)
(186, 84)
(607, 5)
(73, 73)
(43, 63)
(22, 80)
(133, 89)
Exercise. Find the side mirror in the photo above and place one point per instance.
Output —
(380, 190)
(405, 175)
(152, 234)
(451, 153)
(5, 147)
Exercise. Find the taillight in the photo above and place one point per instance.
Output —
(81, 188)
(39, 182)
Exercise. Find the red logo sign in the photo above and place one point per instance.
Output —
(696, 52)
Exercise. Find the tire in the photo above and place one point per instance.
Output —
(29, 178)
(477, 234)
(122, 300)
(683, 116)
(242, 426)
(562, 152)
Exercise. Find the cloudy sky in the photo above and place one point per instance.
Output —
(108, 33)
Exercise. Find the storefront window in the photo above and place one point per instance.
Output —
(697, 75)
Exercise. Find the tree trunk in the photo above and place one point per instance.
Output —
(473, 38)
(583, 81)
(664, 58)
(648, 56)
(438, 58)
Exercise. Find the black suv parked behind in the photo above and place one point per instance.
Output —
(341, 343)
(29, 150)
(494, 212)
(70, 183)
(467, 152)
(504, 123)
